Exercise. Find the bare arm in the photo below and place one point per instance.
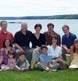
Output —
(65, 47)
(19, 47)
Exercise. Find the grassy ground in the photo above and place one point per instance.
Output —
(64, 75)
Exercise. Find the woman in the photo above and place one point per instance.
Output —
(74, 55)
(55, 52)
(7, 46)
(37, 40)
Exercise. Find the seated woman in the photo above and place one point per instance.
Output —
(55, 52)
(38, 39)
(7, 46)
(74, 55)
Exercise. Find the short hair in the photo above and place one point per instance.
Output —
(38, 25)
(65, 26)
(50, 24)
(43, 46)
(2, 22)
(22, 53)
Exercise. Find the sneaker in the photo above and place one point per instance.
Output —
(54, 70)
(0, 69)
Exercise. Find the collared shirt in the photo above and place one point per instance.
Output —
(3, 36)
(68, 41)
(45, 58)
(23, 64)
(54, 52)
(49, 36)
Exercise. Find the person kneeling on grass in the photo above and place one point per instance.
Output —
(45, 60)
(22, 62)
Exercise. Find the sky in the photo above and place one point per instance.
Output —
(37, 7)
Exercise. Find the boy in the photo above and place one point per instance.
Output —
(22, 62)
(45, 60)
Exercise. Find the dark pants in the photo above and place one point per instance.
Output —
(0, 66)
(64, 52)
(28, 53)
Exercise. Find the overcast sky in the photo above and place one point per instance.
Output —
(37, 7)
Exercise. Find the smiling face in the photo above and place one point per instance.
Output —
(65, 29)
(44, 50)
(24, 27)
(37, 29)
(50, 28)
(22, 58)
(4, 25)
(54, 41)
(7, 42)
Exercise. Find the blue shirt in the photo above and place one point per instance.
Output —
(68, 41)
(45, 58)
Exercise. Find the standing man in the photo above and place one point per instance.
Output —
(50, 33)
(67, 41)
(22, 40)
(4, 33)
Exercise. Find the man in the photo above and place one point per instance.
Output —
(22, 40)
(67, 40)
(4, 33)
(50, 33)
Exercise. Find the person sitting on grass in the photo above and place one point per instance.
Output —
(7, 46)
(74, 55)
(22, 62)
(11, 62)
(45, 60)
(55, 52)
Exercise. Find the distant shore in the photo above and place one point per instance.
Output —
(70, 16)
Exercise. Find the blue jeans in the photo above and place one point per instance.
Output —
(28, 53)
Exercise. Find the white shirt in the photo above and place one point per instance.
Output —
(54, 52)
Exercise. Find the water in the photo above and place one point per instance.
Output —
(73, 24)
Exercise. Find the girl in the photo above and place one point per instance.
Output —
(74, 55)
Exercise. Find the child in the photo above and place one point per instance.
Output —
(11, 62)
(45, 60)
(22, 62)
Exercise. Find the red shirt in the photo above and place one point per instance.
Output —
(3, 36)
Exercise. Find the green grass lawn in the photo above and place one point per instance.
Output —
(63, 75)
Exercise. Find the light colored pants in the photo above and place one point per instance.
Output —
(35, 55)
(74, 63)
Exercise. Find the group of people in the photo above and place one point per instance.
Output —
(48, 51)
